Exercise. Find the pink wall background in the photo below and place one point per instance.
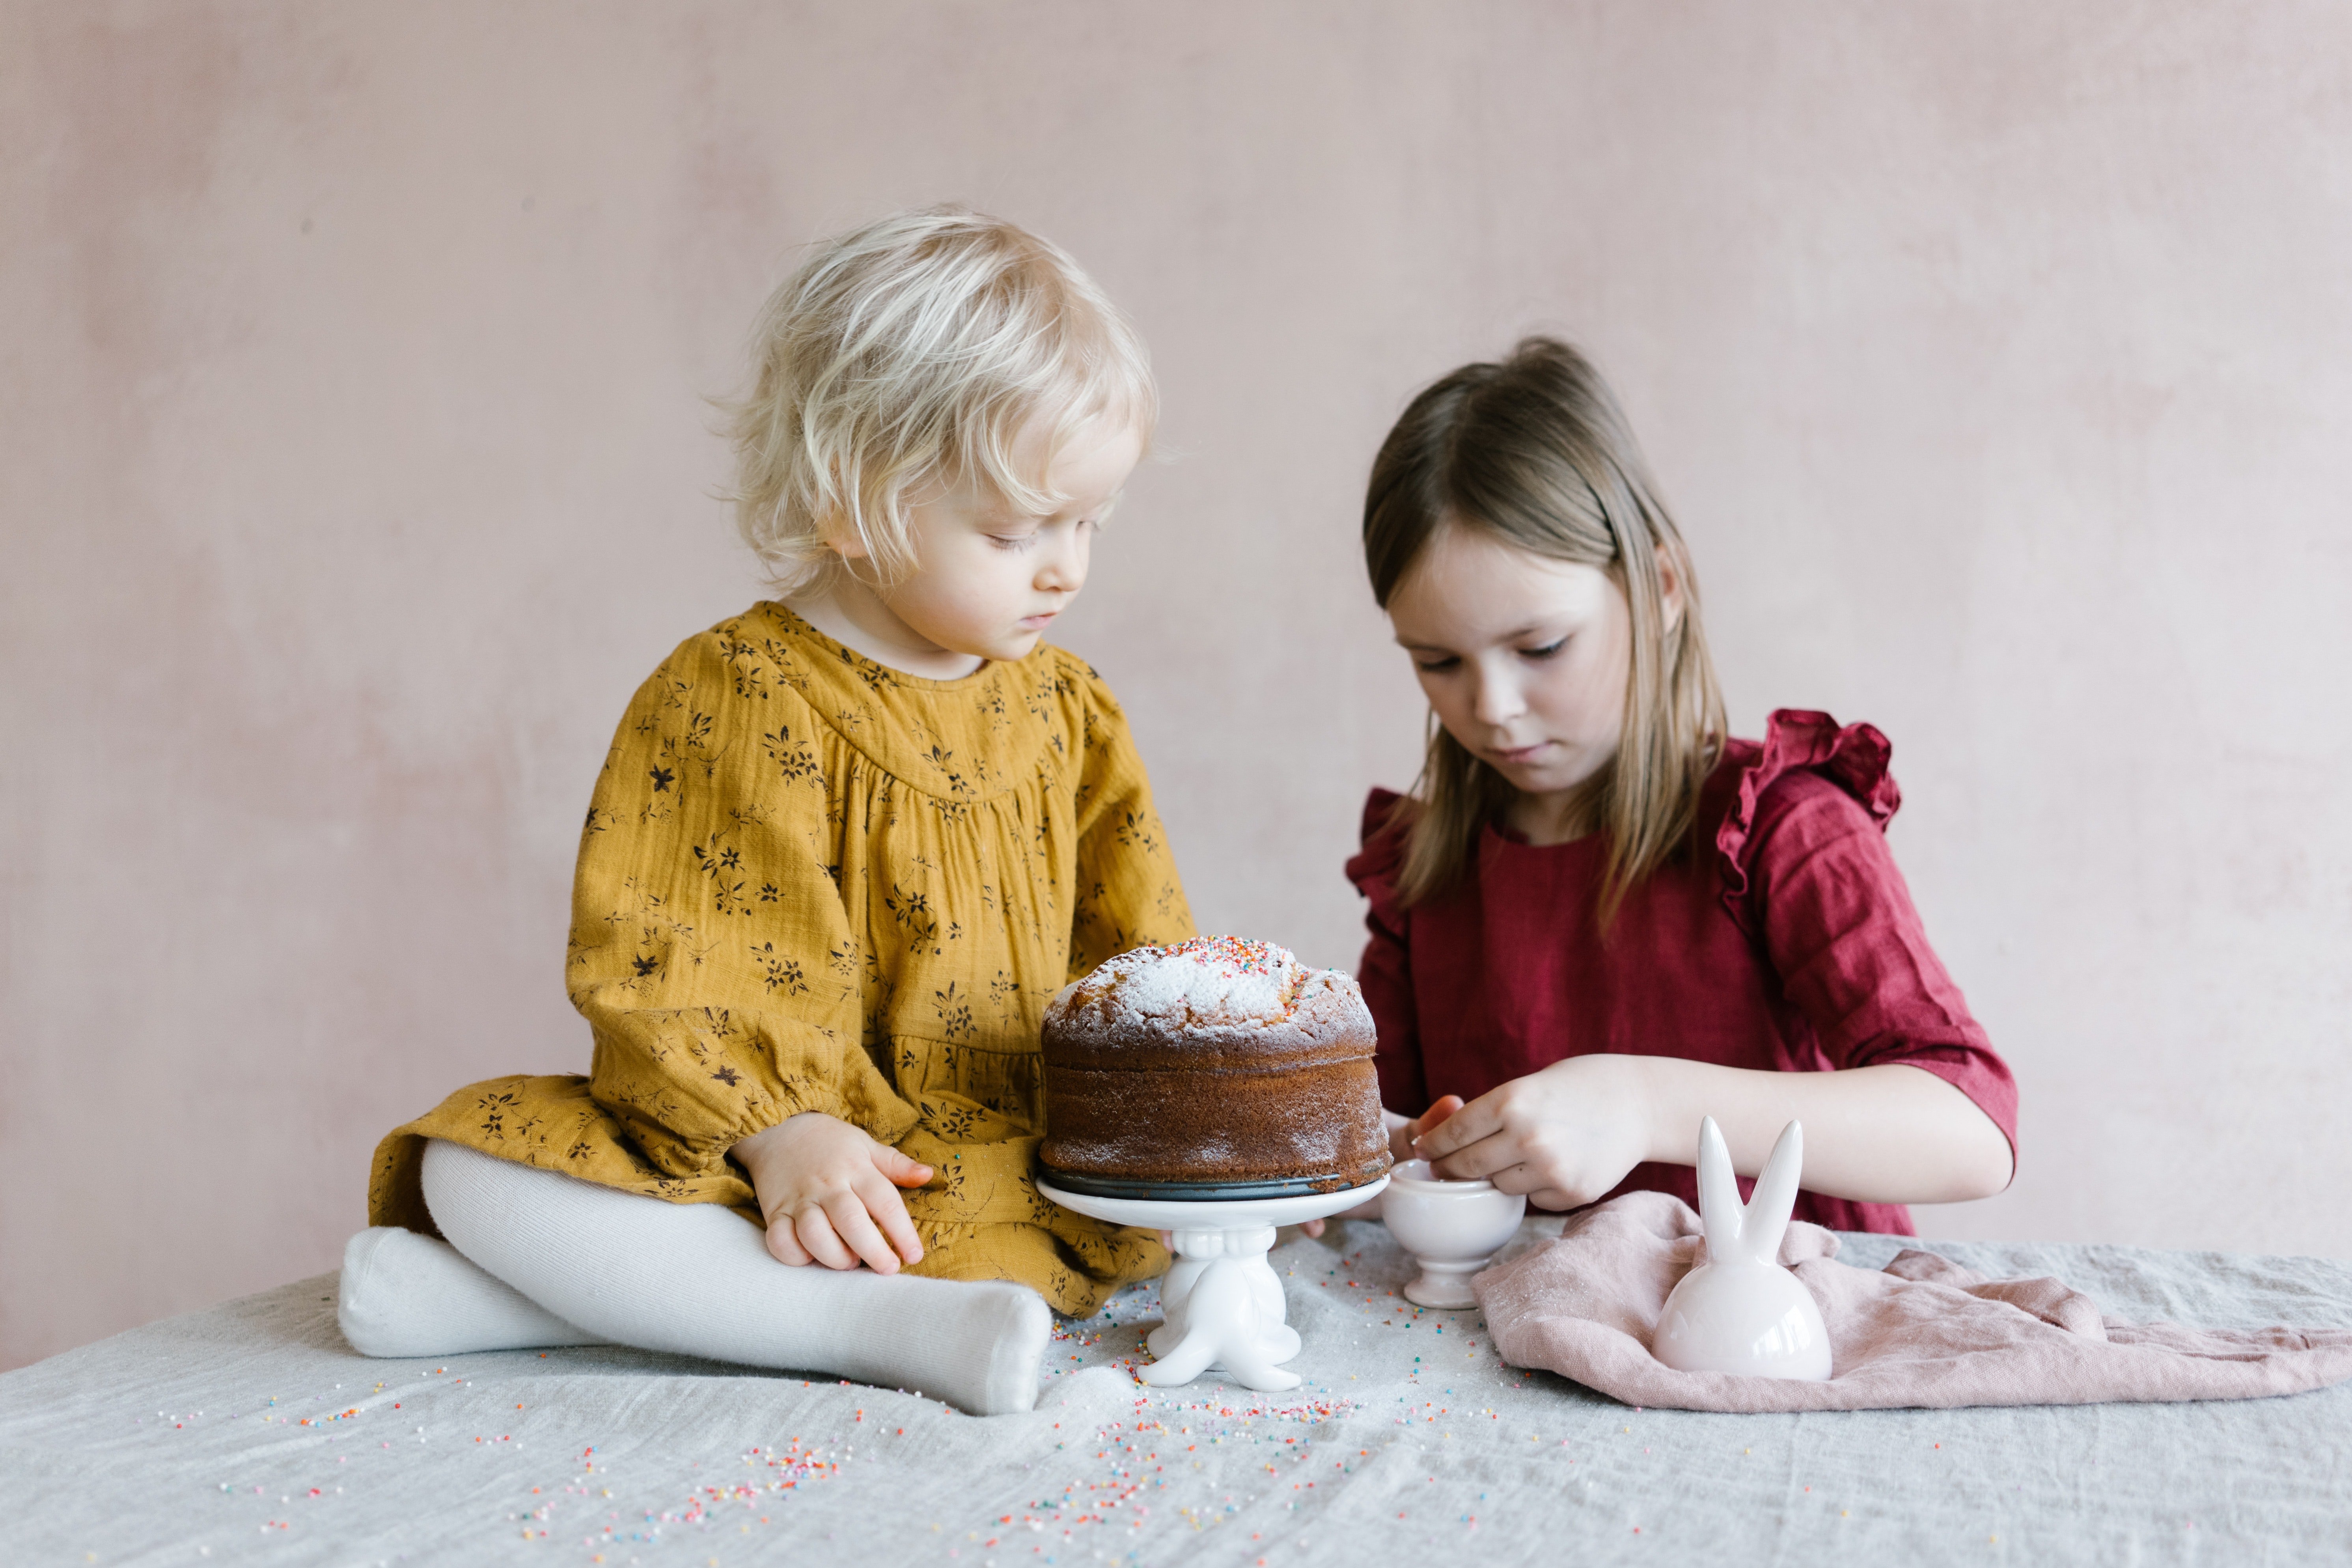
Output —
(354, 466)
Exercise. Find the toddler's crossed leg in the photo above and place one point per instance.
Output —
(538, 1258)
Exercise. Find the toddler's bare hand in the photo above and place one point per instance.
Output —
(829, 1193)
(1564, 1136)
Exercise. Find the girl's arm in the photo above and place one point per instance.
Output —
(1891, 1124)
(1569, 1134)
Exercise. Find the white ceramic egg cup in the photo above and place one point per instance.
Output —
(1221, 1303)
(1451, 1229)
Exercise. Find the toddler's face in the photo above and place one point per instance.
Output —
(1524, 659)
(989, 578)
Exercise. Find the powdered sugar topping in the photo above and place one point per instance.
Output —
(1219, 979)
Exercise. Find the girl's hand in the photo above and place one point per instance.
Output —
(1403, 1138)
(1563, 1135)
(1400, 1137)
(826, 1192)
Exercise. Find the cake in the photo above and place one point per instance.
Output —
(1219, 1063)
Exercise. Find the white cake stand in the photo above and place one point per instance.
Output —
(1221, 1304)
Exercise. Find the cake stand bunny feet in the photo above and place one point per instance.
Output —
(1222, 1307)
(1740, 1312)
(1222, 1302)
(1198, 1252)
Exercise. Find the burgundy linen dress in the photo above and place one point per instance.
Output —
(1790, 944)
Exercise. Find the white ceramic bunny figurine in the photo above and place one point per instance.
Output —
(1740, 1312)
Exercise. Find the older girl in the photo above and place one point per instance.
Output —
(1597, 918)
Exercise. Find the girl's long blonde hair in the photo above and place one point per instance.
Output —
(1535, 453)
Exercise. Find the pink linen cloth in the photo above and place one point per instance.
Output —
(1923, 1332)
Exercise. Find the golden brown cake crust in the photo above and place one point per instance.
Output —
(1216, 1061)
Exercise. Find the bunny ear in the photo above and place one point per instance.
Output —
(1775, 1196)
(1718, 1196)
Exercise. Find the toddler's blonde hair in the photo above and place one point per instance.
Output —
(916, 350)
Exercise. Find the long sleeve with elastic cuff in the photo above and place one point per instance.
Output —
(810, 883)
(712, 950)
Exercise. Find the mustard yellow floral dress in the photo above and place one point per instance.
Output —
(808, 882)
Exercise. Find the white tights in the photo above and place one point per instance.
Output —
(538, 1258)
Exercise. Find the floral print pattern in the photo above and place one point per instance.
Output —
(807, 882)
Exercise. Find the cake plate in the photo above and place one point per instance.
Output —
(1221, 1303)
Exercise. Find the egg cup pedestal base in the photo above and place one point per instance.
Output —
(1452, 1230)
(1445, 1285)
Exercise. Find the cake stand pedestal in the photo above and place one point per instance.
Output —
(1221, 1303)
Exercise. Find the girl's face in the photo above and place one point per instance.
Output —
(989, 578)
(1524, 659)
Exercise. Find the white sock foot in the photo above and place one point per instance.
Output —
(402, 1294)
(697, 1279)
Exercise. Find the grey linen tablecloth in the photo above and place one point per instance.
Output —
(250, 1432)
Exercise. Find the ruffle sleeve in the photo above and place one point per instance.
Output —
(1855, 757)
(1807, 874)
(1373, 867)
(1385, 972)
